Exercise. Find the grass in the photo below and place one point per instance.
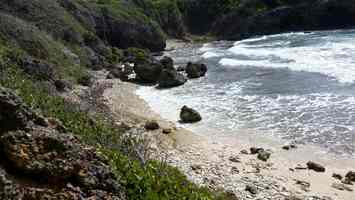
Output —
(151, 180)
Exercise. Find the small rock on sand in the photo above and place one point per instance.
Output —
(151, 125)
(252, 189)
(235, 159)
(342, 187)
(337, 176)
(255, 150)
(315, 166)
(289, 147)
(244, 151)
(264, 155)
(167, 130)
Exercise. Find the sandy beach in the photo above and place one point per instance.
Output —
(216, 160)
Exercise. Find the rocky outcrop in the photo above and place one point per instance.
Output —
(148, 72)
(189, 115)
(300, 16)
(171, 78)
(39, 161)
(195, 70)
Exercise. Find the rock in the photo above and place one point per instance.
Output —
(36, 150)
(342, 187)
(309, 15)
(264, 155)
(252, 189)
(197, 168)
(288, 147)
(167, 130)
(40, 69)
(347, 181)
(234, 170)
(180, 68)
(301, 167)
(255, 150)
(171, 78)
(167, 63)
(315, 167)
(189, 115)
(337, 176)
(148, 72)
(62, 85)
(234, 159)
(304, 185)
(351, 176)
(244, 151)
(230, 195)
(86, 80)
(151, 125)
(14, 115)
(195, 70)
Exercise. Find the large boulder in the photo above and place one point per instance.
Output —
(195, 70)
(148, 72)
(189, 115)
(171, 78)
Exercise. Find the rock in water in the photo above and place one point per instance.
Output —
(315, 166)
(171, 78)
(195, 70)
(189, 115)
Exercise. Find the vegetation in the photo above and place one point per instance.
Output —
(151, 180)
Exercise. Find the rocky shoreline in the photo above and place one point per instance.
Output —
(277, 171)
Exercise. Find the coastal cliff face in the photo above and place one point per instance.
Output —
(54, 147)
(299, 16)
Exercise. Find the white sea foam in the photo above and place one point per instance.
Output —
(332, 58)
(209, 55)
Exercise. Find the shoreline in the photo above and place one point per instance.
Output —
(205, 159)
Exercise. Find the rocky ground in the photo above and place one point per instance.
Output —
(43, 161)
